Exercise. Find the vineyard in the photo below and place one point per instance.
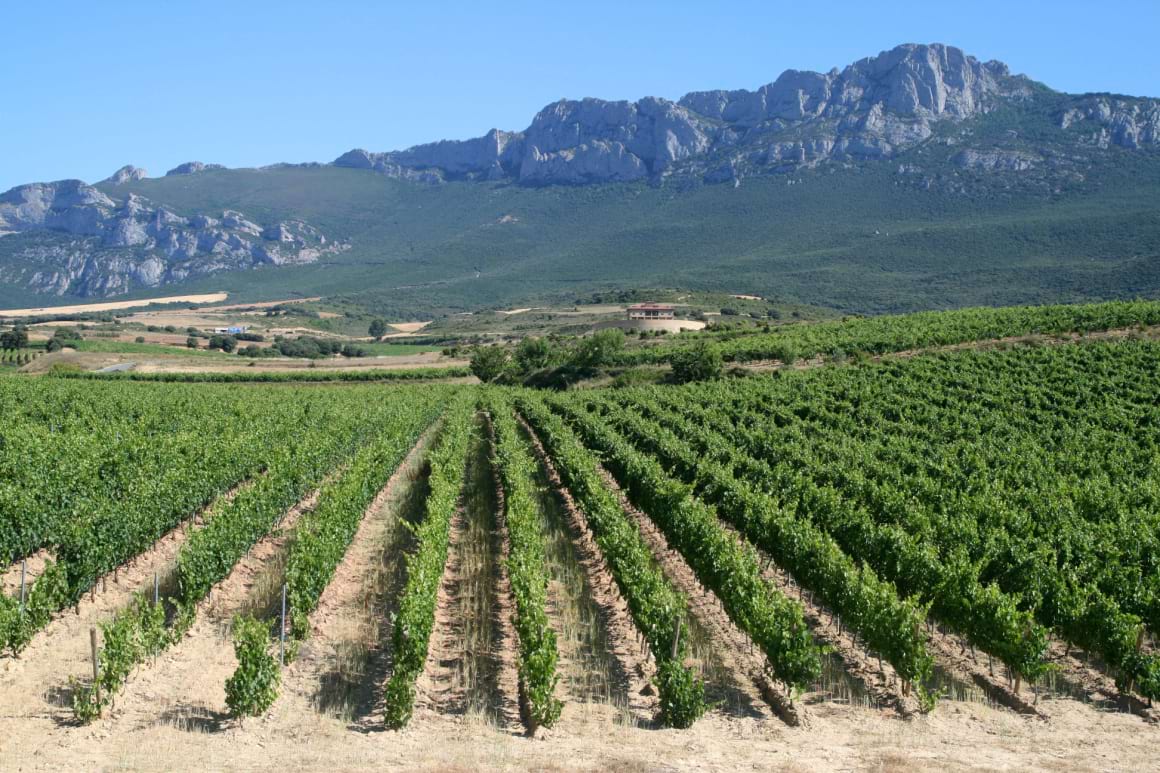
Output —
(775, 559)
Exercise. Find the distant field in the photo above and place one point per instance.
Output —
(113, 305)
(397, 350)
(132, 347)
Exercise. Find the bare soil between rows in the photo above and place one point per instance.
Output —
(342, 668)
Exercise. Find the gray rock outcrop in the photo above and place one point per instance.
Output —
(1128, 123)
(118, 245)
(192, 167)
(875, 108)
(126, 174)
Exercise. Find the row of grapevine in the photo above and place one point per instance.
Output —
(656, 607)
(321, 540)
(1028, 470)
(233, 528)
(894, 333)
(19, 357)
(529, 577)
(416, 615)
(79, 462)
(211, 552)
(275, 377)
(949, 588)
(868, 605)
(69, 452)
(122, 493)
(722, 563)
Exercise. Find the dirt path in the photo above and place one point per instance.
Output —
(112, 305)
(342, 668)
(505, 644)
(953, 655)
(734, 670)
(589, 672)
(612, 637)
(186, 687)
(462, 676)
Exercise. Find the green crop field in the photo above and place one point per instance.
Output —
(1005, 501)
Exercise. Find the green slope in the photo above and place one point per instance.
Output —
(862, 238)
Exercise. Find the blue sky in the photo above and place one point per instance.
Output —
(89, 86)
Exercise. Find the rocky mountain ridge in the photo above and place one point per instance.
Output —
(875, 108)
(945, 120)
(117, 245)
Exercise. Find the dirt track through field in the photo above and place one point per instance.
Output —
(588, 671)
(954, 656)
(465, 662)
(505, 647)
(1084, 680)
(30, 567)
(342, 668)
(882, 685)
(628, 672)
(112, 305)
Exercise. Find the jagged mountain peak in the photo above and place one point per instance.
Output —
(114, 245)
(874, 108)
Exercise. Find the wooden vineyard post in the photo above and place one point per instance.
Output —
(156, 589)
(96, 664)
(676, 639)
(282, 630)
(23, 574)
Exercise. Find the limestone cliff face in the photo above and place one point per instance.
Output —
(117, 245)
(875, 108)
(1108, 120)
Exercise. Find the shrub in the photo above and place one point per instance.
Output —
(225, 343)
(489, 363)
(67, 334)
(683, 695)
(700, 362)
(533, 354)
(598, 349)
(349, 350)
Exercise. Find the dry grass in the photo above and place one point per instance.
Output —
(113, 305)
